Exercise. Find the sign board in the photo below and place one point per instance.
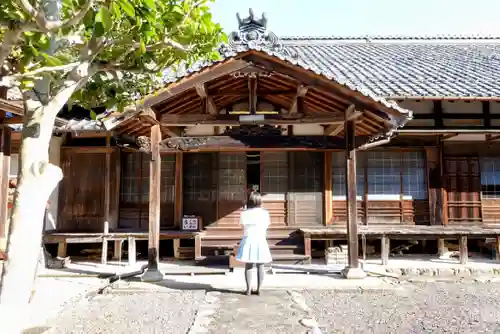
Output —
(191, 223)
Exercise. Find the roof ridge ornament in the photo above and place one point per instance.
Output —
(253, 34)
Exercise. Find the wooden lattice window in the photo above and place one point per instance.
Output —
(132, 179)
(274, 175)
(338, 175)
(384, 175)
(135, 178)
(414, 183)
(198, 177)
(167, 192)
(309, 175)
(392, 175)
(232, 178)
(490, 177)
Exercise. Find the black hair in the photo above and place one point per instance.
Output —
(254, 200)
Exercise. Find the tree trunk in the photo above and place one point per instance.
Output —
(37, 179)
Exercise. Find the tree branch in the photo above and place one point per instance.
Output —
(48, 25)
(78, 16)
(6, 80)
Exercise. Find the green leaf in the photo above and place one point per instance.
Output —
(51, 60)
(116, 10)
(103, 17)
(150, 4)
(127, 8)
(93, 115)
(143, 47)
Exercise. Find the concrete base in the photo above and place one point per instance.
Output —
(153, 275)
(353, 273)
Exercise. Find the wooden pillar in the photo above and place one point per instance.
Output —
(153, 273)
(464, 252)
(497, 248)
(327, 195)
(441, 249)
(178, 189)
(107, 201)
(385, 249)
(352, 217)
(5, 152)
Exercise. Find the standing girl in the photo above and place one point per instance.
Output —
(254, 249)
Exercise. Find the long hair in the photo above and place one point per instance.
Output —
(254, 200)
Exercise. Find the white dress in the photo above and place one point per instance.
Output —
(253, 246)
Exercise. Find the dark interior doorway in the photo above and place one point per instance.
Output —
(253, 170)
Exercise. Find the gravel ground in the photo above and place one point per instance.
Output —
(150, 312)
(412, 308)
(408, 308)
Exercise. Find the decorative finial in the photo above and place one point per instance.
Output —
(252, 33)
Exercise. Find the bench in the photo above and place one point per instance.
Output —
(63, 239)
(413, 232)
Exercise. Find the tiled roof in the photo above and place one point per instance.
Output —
(407, 67)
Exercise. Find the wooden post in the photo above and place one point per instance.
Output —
(327, 205)
(117, 250)
(178, 189)
(62, 248)
(177, 245)
(464, 253)
(107, 201)
(5, 153)
(385, 249)
(153, 273)
(307, 245)
(131, 251)
(497, 248)
(353, 269)
(441, 247)
(197, 247)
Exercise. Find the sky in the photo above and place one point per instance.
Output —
(366, 17)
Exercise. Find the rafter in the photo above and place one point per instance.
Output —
(208, 101)
(301, 92)
(335, 129)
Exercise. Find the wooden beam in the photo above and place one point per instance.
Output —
(243, 143)
(327, 205)
(201, 77)
(301, 92)
(335, 129)
(178, 206)
(107, 201)
(154, 200)
(260, 92)
(351, 203)
(208, 101)
(228, 120)
(88, 149)
(13, 120)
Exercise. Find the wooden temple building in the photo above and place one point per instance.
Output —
(380, 138)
